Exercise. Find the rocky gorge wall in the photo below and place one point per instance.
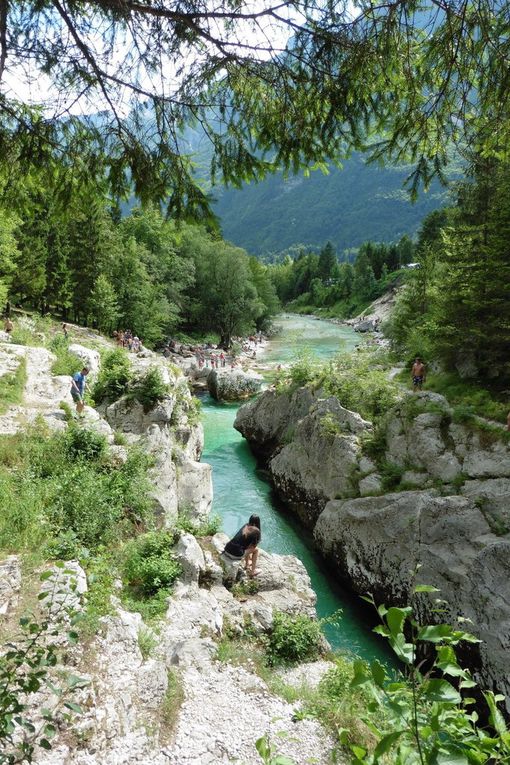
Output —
(419, 490)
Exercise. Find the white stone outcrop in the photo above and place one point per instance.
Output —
(374, 539)
(89, 357)
(233, 384)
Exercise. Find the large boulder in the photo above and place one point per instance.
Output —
(89, 357)
(271, 419)
(376, 544)
(321, 460)
(421, 432)
(233, 384)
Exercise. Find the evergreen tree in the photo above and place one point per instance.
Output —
(102, 305)
(364, 279)
(327, 263)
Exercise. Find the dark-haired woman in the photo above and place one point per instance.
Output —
(243, 545)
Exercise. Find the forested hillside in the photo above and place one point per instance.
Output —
(347, 207)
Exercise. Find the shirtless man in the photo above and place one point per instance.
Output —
(418, 374)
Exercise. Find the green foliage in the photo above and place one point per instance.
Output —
(62, 482)
(149, 389)
(114, 376)
(27, 667)
(205, 527)
(12, 386)
(338, 705)
(83, 443)
(391, 474)
(469, 398)
(268, 753)
(172, 702)
(66, 362)
(454, 308)
(293, 639)
(305, 370)
(424, 718)
(150, 564)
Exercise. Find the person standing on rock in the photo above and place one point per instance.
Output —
(78, 384)
(251, 556)
(418, 374)
(242, 545)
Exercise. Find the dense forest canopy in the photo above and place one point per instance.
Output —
(274, 85)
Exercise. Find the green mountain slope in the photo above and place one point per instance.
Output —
(346, 207)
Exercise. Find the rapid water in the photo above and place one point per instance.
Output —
(241, 488)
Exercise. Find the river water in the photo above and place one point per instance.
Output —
(241, 488)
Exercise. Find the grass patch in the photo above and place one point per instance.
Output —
(340, 706)
(12, 386)
(172, 702)
(66, 363)
(147, 642)
(474, 398)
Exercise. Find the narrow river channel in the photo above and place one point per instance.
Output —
(241, 488)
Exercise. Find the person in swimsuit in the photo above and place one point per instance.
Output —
(418, 374)
(243, 545)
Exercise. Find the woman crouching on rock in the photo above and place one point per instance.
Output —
(244, 545)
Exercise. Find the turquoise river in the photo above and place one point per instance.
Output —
(241, 487)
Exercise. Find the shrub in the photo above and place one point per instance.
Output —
(391, 474)
(45, 490)
(149, 389)
(84, 443)
(423, 717)
(114, 376)
(150, 564)
(293, 639)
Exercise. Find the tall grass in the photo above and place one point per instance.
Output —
(12, 386)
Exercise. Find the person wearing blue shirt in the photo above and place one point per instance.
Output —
(78, 384)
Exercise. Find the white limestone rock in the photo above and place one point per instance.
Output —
(194, 488)
(10, 583)
(89, 357)
(233, 384)
(371, 484)
(271, 419)
(189, 554)
(377, 542)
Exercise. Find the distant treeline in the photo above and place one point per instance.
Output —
(69, 251)
(318, 280)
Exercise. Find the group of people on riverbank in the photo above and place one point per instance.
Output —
(125, 339)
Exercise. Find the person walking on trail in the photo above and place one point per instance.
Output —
(418, 374)
(78, 384)
(243, 545)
